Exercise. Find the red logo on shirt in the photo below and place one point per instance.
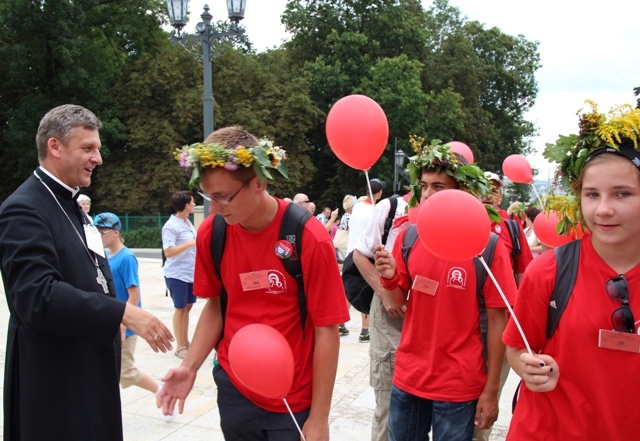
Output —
(277, 282)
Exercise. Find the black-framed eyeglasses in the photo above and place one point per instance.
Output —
(622, 317)
(304, 202)
(221, 200)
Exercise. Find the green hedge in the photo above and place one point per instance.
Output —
(147, 237)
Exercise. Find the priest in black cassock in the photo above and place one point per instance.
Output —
(63, 346)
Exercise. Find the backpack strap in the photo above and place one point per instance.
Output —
(410, 237)
(567, 259)
(293, 222)
(514, 232)
(218, 240)
(388, 222)
(481, 278)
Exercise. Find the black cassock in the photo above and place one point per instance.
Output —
(62, 362)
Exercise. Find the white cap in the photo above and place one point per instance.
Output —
(492, 177)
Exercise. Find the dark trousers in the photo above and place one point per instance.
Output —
(240, 419)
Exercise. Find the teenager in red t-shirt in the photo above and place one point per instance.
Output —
(238, 192)
(439, 382)
(578, 386)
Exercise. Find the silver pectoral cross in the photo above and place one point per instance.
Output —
(102, 281)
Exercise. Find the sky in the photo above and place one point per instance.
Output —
(588, 50)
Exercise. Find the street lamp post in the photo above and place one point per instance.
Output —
(178, 16)
(398, 166)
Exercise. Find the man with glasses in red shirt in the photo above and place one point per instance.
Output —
(232, 168)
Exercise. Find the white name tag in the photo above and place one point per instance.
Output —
(94, 239)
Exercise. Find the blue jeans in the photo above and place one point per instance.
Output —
(411, 418)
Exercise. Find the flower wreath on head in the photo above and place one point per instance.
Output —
(262, 157)
(619, 133)
(437, 156)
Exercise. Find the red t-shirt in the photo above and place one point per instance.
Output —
(440, 354)
(598, 393)
(276, 306)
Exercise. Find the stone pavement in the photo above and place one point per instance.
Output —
(353, 399)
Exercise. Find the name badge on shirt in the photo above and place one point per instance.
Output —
(425, 285)
(254, 280)
(619, 341)
(94, 239)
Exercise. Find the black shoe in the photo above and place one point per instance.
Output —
(364, 338)
(343, 330)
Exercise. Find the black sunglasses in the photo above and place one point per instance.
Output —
(622, 318)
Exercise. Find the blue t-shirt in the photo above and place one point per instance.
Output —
(124, 268)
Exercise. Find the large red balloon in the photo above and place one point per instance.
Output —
(545, 229)
(517, 169)
(357, 131)
(462, 149)
(453, 225)
(262, 360)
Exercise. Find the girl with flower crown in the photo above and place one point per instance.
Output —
(582, 382)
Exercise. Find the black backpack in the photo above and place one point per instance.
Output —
(293, 222)
(567, 259)
(359, 293)
(481, 277)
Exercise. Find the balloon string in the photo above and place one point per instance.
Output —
(375, 212)
(293, 418)
(537, 196)
(506, 302)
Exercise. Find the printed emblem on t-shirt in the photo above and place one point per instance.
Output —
(277, 282)
(457, 278)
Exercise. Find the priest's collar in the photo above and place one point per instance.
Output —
(74, 191)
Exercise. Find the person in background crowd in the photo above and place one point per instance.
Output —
(179, 245)
(362, 216)
(535, 245)
(85, 203)
(124, 267)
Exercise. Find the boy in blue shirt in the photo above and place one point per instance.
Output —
(124, 268)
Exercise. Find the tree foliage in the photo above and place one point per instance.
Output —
(434, 73)
(57, 52)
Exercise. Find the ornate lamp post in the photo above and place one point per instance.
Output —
(178, 16)
(398, 168)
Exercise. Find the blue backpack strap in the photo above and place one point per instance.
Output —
(481, 278)
(291, 229)
(567, 259)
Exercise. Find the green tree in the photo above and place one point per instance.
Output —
(56, 52)
(157, 101)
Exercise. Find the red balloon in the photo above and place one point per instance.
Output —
(357, 131)
(262, 360)
(453, 225)
(517, 169)
(462, 149)
(545, 229)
